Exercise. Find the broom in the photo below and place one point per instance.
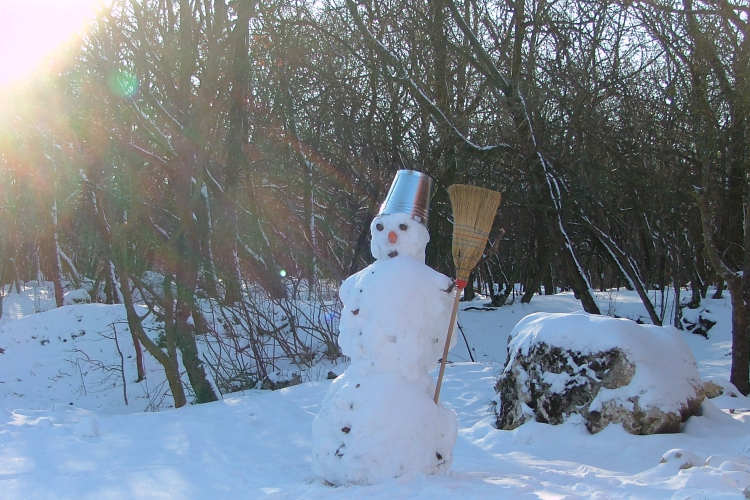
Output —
(474, 210)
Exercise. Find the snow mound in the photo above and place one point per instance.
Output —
(87, 428)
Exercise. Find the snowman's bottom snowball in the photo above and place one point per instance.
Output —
(379, 427)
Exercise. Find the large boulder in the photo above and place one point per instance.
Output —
(605, 369)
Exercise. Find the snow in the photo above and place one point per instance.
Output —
(68, 356)
(378, 427)
(257, 444)
(401, 319)
(79, 296)
(86, 428)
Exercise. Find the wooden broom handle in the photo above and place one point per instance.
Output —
(447, 347)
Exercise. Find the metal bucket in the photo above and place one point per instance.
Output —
(410, 193)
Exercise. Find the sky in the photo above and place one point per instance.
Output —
(30, 31)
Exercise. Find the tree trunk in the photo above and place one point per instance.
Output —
(719, 290)
(186, 307)
(469, 292)
(53, 253)
(548, 282)
(739, 290)
(171, 369)
(541, 267)
(134, 323)
(739, 375)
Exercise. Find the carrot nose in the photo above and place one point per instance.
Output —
(392, 237)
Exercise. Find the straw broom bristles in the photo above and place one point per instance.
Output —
(474, 210)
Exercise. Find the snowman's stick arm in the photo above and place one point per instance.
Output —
(447, 347)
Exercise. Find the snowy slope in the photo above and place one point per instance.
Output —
(257, 444)
(69, 356)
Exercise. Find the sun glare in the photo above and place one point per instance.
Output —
(31, 30)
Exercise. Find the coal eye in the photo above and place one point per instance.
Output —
(379, 226)
(403, 227)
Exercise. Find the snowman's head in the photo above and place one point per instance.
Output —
(398, 234)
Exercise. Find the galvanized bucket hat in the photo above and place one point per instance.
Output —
(410, 194)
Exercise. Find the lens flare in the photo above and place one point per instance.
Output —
(122, 83)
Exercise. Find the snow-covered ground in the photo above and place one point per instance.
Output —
(67, 432)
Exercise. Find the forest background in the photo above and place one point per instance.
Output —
(220, 162)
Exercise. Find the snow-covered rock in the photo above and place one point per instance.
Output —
(698, 321)
(711, 389)
(719, 387)
(79, 296)
(682, 459)
(605, 369)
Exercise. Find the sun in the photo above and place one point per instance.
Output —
(30, 31)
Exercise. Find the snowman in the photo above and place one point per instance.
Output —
(378, 419)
